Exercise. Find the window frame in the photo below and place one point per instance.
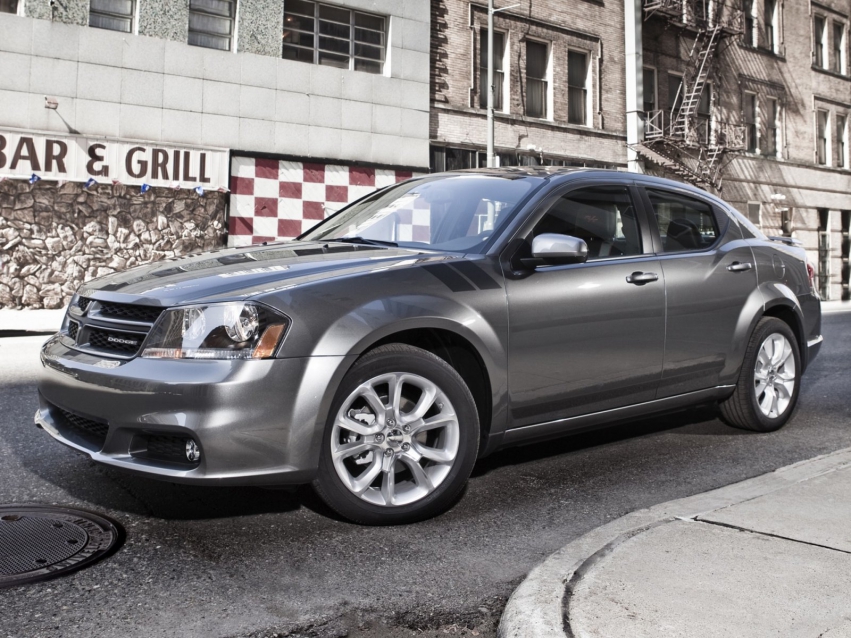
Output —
(722, 219)
(826, 138)
(772, 25)
(505, 107)
(751, 148)
(839, 57)
(134, 23)
(230, 37)
(352, 38)
(820, 49)
(709, 116)
(842, 138)
(672, 107)
(511, 250)
(773, 124)
(750, 24)
(547, 79)
(19, 6)
(588, 93)
(653, 69)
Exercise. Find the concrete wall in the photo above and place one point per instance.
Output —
(161, 89)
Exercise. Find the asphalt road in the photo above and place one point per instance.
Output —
(223, 562)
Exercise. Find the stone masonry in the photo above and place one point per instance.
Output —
(55, 237)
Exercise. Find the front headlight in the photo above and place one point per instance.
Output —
(237, 330)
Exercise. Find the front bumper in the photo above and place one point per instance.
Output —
(255, 422)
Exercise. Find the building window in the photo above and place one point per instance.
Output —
(820, 42)
(750, 122)
(704, 114)
(771, 39)
(577, 88)
(8, 6)
(822, 135)
(842, 141)
(537, 70)
(498, 75)
(838, 62)
(650, 101)
(211, 23)
(772, 126)
(675, 94)
(323, 34)
(116, 15)
(749, 36)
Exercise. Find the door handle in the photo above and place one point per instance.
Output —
(641, 278)
(740, 266)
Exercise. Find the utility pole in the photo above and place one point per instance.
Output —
(491, 12)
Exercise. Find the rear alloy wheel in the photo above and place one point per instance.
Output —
(768, 385)
(402, 438)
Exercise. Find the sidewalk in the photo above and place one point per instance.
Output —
(30, 320)
(770, 556)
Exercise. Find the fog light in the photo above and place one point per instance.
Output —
(193, 452)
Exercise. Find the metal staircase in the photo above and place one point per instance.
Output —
(693, 153)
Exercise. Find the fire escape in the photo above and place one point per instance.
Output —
(683, 140)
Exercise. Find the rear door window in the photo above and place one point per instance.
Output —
(603, 216)
(685, 223)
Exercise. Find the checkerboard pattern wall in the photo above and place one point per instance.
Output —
(276, 199)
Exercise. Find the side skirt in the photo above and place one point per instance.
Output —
(575, 424)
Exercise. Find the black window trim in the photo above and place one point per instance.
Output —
(521, 235)
(722, 219)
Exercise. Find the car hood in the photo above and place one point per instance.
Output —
(244, 272)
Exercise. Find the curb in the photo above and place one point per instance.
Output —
(536, 608)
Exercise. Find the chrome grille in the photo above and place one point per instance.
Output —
(147, 314)
(112, 340)
(111, 329)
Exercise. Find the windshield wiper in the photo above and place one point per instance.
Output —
(364, 240)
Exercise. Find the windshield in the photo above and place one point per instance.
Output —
(446, 212)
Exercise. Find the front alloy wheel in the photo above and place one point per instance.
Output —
(395, 439)
(403, 438)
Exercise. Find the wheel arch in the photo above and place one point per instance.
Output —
(459, 351)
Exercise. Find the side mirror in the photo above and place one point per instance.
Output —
(551, 249)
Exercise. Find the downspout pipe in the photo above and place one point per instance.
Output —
(634, 81)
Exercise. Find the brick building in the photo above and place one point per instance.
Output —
(136, 130)
(761, 116)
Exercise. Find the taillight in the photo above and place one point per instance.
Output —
(811, 275)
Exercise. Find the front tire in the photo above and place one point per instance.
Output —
(401, 438)
(767, 390)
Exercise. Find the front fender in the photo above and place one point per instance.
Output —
(357, 331)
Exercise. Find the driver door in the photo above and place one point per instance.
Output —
(582, 339)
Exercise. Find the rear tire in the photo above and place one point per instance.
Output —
(767, 390)
(401, 439)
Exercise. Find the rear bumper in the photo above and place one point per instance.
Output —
(255, 422)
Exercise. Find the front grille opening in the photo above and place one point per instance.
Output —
(91, 431)
(129, 312)
(83, 304)
(164, 448)
(73, 329)
(127, 343)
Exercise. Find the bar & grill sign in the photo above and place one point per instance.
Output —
(79, 159)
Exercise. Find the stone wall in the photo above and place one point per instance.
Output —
(53, 238)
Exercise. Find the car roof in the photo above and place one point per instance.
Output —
(563, 174)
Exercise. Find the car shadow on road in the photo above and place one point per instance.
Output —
(111, 489)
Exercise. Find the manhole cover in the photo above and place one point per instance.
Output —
(38, 542)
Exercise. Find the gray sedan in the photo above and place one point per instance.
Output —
(427, 325)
